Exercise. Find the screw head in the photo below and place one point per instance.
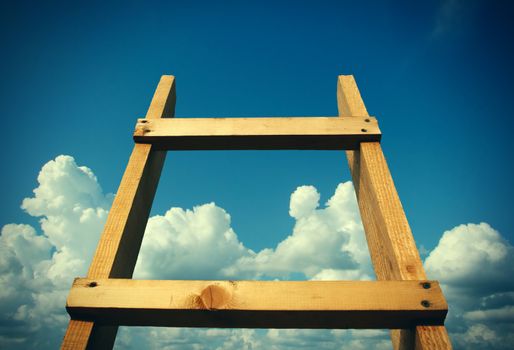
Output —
(92, 284)
(426, 285)
(425, 303)
(364, 130)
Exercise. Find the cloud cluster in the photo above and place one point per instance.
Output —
(189, 244)
(473, 262)
(475, 265)
(326, 243)
(273, 339)
(36, 269)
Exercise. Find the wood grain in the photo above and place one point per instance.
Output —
(258, 304)
(391, 244)
(316, 133)
(117, 250)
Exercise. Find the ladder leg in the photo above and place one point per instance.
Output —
(87, 335)
(117, 250)
(391, 245)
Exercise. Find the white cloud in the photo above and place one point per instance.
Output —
(189, 244)
(189, 338)
(273, 339)
(328, 339)
(71, 203)
(474, 259)
(303, 201)
(475, 265)
(200, 243)
(37, 269)
(503, 314)
(478, 336)
(323, 240)
(24, 257)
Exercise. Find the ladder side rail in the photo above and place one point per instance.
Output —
(391, 244)
(119, 244)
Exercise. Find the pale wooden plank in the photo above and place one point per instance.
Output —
(77, 334)
(433, 337)
(119, 244)
(397, 241)
(96, 336)
(331, 133)
(262, 126)
(391, 244)
(258, 304)
(255, 295)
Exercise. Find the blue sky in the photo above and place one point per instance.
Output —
(437, 75)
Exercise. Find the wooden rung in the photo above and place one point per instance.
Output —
(316, 133)
(258, 304)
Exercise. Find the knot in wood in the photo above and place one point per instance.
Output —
(215, 297)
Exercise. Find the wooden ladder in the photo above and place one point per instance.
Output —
(402, 299)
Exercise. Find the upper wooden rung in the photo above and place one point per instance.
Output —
(316, 133)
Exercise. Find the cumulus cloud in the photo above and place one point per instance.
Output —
(473, 262)
(475, 265)
(328, 339)
(36, 269)
(188, 338)
(303, 201)
(325, 243)
(24, 257)
(503, 314)
(189, 244)
(273, 339)
(480, 336)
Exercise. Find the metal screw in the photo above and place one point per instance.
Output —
(425, 303)
(367, 120)
(144, 121)
(92, 284)
(364, 130)
(426, 285)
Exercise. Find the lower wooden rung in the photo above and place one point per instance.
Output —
(258, 304)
